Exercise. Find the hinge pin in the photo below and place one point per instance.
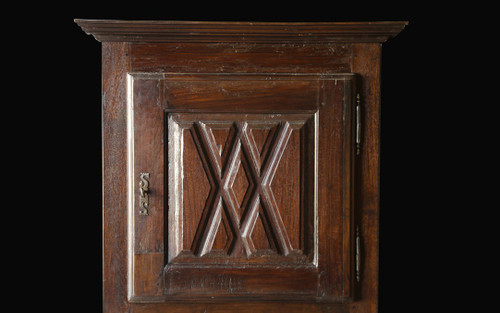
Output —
(358, 124)
(358, 255)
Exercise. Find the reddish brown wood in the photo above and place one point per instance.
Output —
(247, 131)
(367, 63)
(146, 155)
(240, 93)
(114, 86)
(223, 57)
(259, 32)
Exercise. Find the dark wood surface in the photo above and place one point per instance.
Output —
(243, 193)
(114, 199)
(245, 32)
(361, 58)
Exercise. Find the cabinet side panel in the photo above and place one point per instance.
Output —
(115, 65)
(366, 62)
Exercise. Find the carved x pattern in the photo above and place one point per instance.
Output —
(222, 179)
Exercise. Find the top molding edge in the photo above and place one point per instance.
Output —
(256, 32)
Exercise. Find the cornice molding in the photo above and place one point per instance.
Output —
(257, 32)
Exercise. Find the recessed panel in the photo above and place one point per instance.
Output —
(242, 189)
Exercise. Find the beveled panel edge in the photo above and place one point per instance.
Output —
(177, 122)
(241, 76)
(163, 77)
(257, 32)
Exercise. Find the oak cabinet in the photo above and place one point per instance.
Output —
(240, 165)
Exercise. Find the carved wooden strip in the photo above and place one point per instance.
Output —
(221, 180)
(148, 274)
(349, 129)
(115, 240)
(241, 58)
(243, 32)
(237, 95)
(367, 63)
(248, 223)
(147, 130)
(335, 174)
(175, 187)
(252, 151)
(268, 172)
(146, 155)
(226, 282)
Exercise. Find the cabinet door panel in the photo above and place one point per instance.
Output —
(250, 187)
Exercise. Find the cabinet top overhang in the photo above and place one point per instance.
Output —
(250, 32)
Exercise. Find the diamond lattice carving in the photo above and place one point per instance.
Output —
(241, 162)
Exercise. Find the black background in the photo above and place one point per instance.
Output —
(422, 143)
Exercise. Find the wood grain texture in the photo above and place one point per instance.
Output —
(334, 159)
(240, 95)
(223, 57)
(116, 64)
(366, 61)
(146, 155)
(190, 284)
(248, 32)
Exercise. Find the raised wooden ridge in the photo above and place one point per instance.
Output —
(270, 32)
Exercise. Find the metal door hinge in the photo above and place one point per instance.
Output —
(358, 255)
(358, 124)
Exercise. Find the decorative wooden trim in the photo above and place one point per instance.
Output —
(258, 32)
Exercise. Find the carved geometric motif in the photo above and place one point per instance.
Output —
(237, 215)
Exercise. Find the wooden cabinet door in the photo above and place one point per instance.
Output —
(240, 187)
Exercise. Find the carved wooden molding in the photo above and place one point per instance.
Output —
(259, 32)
